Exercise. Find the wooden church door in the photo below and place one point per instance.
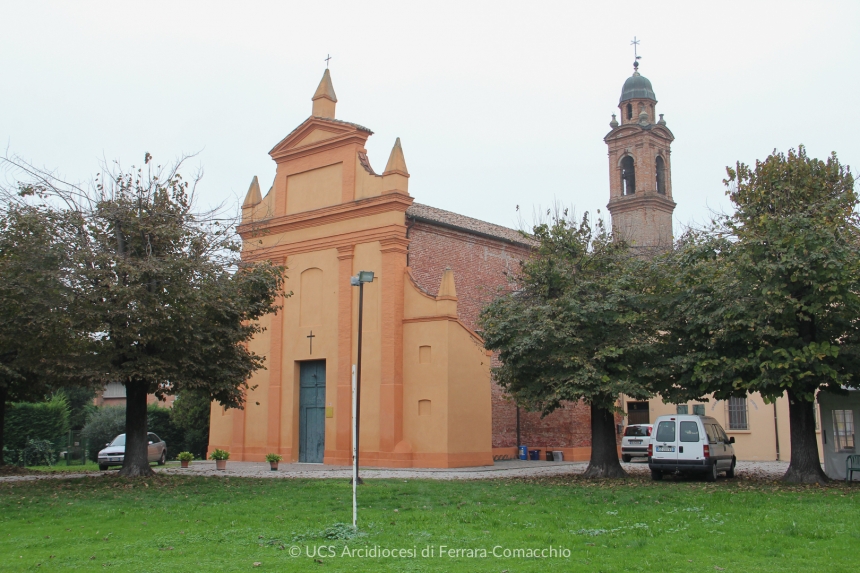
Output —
(312, 411)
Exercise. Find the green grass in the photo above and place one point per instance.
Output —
(62, 467)
(178, 523)
(87, 467)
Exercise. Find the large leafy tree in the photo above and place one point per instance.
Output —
(577, 326)
(170, 303)
(39, 337)
(767, 300)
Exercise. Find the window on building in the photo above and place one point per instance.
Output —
(661, 175)
(628, 176)
(629, 111)
(114, 390)
(698, 409)
(738, 415)
(843, 430)
(682, 409)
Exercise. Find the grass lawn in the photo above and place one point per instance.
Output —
(87, 467)
(177, 523)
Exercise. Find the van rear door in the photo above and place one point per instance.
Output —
(665, 442)
(690, 442)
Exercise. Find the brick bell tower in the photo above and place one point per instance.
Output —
(640, 180)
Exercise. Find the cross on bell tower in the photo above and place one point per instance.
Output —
(640, 181)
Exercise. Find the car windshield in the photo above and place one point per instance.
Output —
(118, 441)
(636, 431)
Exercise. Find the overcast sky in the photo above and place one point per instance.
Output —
(498, 104)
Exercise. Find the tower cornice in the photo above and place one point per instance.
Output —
(640, 201)
(633, 129)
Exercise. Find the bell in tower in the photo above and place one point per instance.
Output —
(640, 182)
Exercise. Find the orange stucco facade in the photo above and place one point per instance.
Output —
(425, 391)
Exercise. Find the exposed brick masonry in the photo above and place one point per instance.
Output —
(481, 266)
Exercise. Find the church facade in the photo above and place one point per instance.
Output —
(427, 398)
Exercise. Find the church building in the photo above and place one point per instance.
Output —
(427, 398)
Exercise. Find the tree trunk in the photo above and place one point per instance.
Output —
(136, 462)
(604, 449)
(804, 466)
(4, 393)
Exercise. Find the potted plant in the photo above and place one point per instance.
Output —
(273, 460)
(185, 458)
(220, 457)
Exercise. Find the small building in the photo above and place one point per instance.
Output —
(838, 412)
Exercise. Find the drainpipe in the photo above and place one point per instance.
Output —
(776, 429)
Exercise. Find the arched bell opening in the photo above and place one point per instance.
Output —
(628, 176)
(660, 168)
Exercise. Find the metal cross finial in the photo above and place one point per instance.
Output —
(311, 337)
(635, 44)
(328, 57)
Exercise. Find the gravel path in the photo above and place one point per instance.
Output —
(505, 469)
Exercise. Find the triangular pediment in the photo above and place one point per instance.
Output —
(312, 130)
(316, 135)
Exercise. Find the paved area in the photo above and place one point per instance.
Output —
(503, 469)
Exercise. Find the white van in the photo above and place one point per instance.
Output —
(690, 444)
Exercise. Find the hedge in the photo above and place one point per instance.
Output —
(36, 421)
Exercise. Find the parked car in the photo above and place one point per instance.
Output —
(114, 453)
(634, 443)
(690, 444)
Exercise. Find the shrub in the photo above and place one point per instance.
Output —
(81, 405)
(185, 456)
(40, 453)
(273, 458)
(36, 421)
(190, 412)
(102, 427)
(159, 422)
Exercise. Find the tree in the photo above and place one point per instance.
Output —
(767, 300)
(170, 303)
(38, 333)
(190, 412)
(578, 326)
(102, 426)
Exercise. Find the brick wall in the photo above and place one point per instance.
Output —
(480, 267)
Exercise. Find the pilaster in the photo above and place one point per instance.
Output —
(391, 373)
(343, 404)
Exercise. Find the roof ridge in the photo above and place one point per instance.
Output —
(467, 224)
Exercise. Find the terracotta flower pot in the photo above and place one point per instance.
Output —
(220, 464)
(274, 466)
(183, 463)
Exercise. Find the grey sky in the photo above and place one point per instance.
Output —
(497, 104)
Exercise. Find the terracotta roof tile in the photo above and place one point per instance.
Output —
(426, 213)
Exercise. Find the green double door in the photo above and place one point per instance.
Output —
(312, 411)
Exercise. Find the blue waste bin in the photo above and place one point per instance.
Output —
(524, 452)
(534, 455)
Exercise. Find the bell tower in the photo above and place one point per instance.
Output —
(640, 180)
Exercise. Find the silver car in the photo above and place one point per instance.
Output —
(114, 453)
